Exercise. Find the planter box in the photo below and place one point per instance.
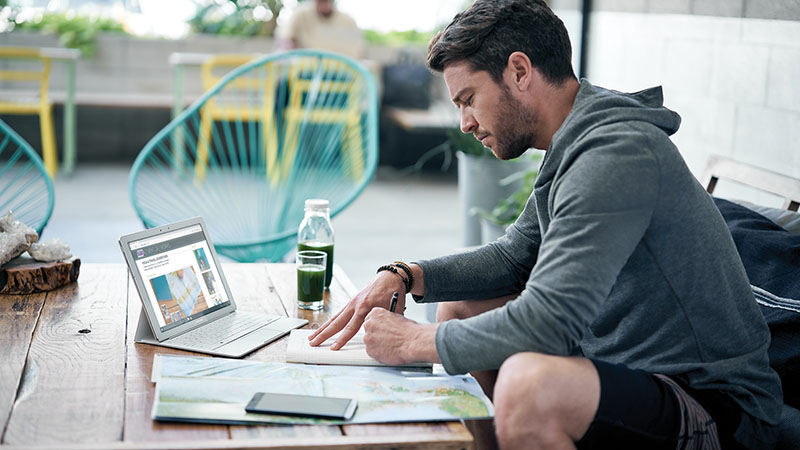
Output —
(479, 186)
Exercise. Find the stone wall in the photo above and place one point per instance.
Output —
(124, 92)
(728, 67)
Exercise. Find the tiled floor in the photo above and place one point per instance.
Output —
(407, 217)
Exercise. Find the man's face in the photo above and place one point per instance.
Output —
(325, 7)
(489, 111)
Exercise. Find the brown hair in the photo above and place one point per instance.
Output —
(491, 30)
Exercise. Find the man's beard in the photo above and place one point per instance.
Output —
(515, 127)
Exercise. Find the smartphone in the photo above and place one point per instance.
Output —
(302, 405)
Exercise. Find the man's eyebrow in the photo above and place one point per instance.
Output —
(457, 98)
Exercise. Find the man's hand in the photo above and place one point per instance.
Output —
(396, 341)
(377, 294)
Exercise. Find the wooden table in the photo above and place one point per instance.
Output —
(72, 377)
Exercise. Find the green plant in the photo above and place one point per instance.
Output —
(466, 142)
(398, 38)
(509, 209)
(73, 31)
(456, 141)
(237, 17)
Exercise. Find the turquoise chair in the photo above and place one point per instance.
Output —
(25, 188)
(271, 133)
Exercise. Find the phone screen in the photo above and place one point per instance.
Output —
(302, 405)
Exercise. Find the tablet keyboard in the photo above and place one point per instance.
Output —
(221, 331)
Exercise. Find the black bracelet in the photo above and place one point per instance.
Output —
(393, 269)
(408, 272)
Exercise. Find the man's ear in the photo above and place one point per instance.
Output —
(519, 70)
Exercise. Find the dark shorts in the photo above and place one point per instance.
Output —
(641, 410)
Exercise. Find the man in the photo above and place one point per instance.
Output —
(318, 24)
(619, 313)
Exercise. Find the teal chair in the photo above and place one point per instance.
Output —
(25, 188)
(271, 133)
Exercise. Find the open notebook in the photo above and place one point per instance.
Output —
(354, 353)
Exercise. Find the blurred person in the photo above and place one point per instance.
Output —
(615, 312)
(318, 24)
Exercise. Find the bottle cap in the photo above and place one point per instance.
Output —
(318, 204)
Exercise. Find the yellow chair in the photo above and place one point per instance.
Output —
(229, 106)
(40, 106)
(287, 100)
(321, 91)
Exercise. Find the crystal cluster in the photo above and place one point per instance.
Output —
(52, 250)
(16, 238)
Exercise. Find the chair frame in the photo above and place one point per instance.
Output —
(370, 142)
(43, 108)
(13, 136)
(773, 182)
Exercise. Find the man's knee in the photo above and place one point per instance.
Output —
(549, 391)
(469, 308)
(451, 310)
(523, 376)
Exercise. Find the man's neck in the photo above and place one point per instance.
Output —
(559, 105)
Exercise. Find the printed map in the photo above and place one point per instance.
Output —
(200, 389)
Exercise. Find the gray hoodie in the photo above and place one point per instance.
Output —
(619, 255)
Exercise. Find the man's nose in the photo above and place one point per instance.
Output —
(468, 122)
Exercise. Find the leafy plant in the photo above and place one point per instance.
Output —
(237, 17)
(398, 38)
(73, 31)
(509, 209)
(458, 141)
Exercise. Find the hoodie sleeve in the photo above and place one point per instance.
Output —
(602, 203)
(493, 270)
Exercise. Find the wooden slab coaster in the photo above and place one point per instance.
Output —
(25, 275)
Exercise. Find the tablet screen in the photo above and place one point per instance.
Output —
(181, 280)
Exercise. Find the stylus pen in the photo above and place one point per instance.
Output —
(393, 304)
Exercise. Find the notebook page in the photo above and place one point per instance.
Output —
(354, 353)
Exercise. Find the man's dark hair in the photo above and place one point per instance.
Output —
(491, 30)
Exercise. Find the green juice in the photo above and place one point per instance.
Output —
(310, 283)
(322, 247)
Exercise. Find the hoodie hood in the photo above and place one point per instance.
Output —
(595, 108)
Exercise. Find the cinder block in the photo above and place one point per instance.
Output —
(574, 5)
(740, 72)
(783, 90)
(725, 8)
(772, 9)
(670, 7)
(639, 6)
(766, 137)
(606, 49)
(688, 66)
(773, 32)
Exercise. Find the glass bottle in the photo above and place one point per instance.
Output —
(316, 232)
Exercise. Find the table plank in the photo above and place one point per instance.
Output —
(459, 436)
(427, 441)
(18, 317)
(73, 389)
(139, 391)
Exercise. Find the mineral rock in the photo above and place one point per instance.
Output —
(11, 246)
(9, 225)
(52, 250)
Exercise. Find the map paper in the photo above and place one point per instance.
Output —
(202, 389)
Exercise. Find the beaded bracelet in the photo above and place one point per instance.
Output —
(393, 269)
(408, 272)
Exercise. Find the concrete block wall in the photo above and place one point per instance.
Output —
(732, 77)
(130, 67)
